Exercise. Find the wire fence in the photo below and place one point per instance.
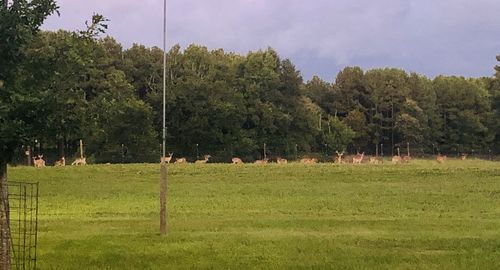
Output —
(23, 201)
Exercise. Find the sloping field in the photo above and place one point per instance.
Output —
(422, 215)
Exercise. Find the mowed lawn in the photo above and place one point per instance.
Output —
(417, 216)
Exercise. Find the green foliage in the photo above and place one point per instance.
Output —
(120, 131)
(19, 117)
(339, 135)
(226, 105)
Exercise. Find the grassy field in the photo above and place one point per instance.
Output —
(417, 216)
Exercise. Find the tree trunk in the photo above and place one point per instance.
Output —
(61, 142)
(4, 219)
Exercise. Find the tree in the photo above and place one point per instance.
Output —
(19, 24)
(339, 135)
(463, 106)
(495, 93)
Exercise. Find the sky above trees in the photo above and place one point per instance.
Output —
(450, 37)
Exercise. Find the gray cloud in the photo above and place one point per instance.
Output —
(321, 36)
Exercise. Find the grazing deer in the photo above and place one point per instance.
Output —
(308, 161)
(407, 158)
(374, 160)
(357, 159)
(204, 160)
(79, 161)
(38, 161)
(338, 159)
(167, 159)
(261, 161)
(281, 161)
(60, 163)
(463, 157)
(180, 161)
(441, 158)
(237, 160)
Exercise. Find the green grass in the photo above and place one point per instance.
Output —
(417, 216)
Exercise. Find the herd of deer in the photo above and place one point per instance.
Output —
(339, 159)
(39, 162)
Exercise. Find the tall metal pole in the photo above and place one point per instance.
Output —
(163, 169)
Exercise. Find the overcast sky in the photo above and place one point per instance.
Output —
(431, 37)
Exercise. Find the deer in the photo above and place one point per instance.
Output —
(463, 157)
(397, 159)
(281, 161)
(441, 158)
(375, 160)
(357, 159)
(338, 159)
(261, 161)
(237, 160)
(79, 161)
(407, 158)
(180, 161)
(204, 160)
(167, 159)
(60, 163)
(308, 161)
(38, 161)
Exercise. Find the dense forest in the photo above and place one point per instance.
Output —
(227, 104)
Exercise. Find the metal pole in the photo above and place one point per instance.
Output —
(163, 169)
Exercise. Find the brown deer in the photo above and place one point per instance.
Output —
(237, 160)
(261, 161)
(338, 159)
(308, 161)
(204, 160)
(79, 161)
(38, 161)
(281, 161)
(375, 160)
(60, 163)
(463, 157)
(180, 161)
(167, 159)
(407, 158)
(357, 159)
(441, 158)
(397, 159)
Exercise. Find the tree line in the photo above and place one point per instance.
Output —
(227, 104)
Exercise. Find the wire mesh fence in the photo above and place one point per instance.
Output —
(23, 201)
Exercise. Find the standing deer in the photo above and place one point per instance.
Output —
(180, 161)
(338, 159)
(441, 158)
(167, 159)
(308, 161)
(397, 159)
(204, 160)
(79, 161)
(38, 161)
(261, 161)
(281, 161)
(60, 163)
(357, 159)
(463, 157)
(237, 160)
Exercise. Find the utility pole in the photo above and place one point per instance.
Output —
(163, 169)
